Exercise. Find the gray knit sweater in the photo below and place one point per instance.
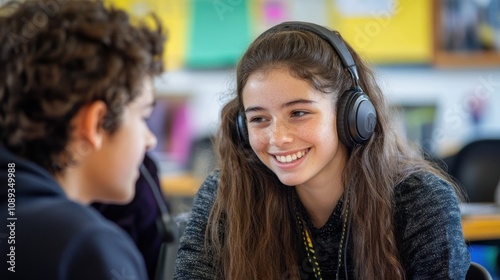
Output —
(428, 231)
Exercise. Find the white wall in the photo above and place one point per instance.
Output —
(449, 88)
(206, 89)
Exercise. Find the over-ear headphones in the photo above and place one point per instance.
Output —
(356, 115)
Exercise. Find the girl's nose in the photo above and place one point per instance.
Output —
(280, 134)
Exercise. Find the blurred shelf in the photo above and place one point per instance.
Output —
(443, 58)
(467, 59)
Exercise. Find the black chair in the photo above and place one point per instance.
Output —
(476, 167)
(477, 272)
(168, 252)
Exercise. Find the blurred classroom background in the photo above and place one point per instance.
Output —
(437, 61)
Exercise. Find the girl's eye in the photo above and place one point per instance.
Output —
(297, 114)
(257, 119)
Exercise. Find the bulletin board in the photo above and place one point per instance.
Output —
(213, 34)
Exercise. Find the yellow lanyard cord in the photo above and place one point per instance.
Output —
(311, 253)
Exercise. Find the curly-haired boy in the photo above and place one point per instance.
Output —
(75, 93)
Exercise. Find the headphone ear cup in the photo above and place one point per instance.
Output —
(356, 118)
(241, 129)
(342, 124)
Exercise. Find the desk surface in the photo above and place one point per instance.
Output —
(481, 227)
(480, 221)
(183, 184)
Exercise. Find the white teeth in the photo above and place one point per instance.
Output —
(290, 158)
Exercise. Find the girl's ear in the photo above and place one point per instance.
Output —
(88, 123)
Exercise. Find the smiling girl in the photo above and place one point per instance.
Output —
(314, 179)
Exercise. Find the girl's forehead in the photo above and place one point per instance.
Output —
(278, 87)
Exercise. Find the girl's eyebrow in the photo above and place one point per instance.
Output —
(284, 105)
(295, 102)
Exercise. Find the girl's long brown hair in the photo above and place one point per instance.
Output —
(252, 233)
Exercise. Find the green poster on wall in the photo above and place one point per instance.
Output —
(219, 33)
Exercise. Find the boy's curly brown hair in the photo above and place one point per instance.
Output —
(57, 56)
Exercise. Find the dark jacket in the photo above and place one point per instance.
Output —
(52, 237)
(428, 232)
(139, 218)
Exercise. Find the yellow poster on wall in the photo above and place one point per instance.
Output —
(173, 15)
(394, 31)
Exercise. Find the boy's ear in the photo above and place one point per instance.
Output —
(88, 123)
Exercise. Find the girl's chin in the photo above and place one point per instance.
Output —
(289, 181)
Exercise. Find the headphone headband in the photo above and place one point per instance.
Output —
(332, 37)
